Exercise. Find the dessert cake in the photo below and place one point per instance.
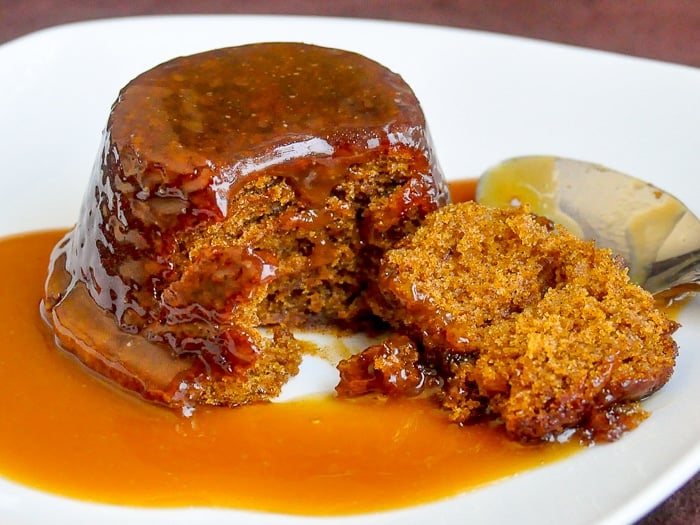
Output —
(238, 189)
(522, 322)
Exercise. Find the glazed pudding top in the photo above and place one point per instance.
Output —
(215, 118)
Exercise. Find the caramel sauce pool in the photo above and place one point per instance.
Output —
(67, 432)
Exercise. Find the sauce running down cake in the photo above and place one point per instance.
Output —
(240, 188)
(522, 322)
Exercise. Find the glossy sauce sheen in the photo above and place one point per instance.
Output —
(65, 431)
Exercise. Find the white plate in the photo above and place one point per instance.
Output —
(486, 98)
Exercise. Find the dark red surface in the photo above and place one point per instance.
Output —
(661, 29)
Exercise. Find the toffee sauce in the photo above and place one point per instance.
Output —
(68, 432)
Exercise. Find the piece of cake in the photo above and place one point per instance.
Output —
(523, 321)
(246, 187)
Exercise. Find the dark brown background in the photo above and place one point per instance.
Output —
(661, 29)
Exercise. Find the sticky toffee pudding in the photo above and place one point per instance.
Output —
(524, 322)
(244, 193)
(246, 187)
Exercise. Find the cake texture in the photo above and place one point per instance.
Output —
(523, 322)
(242, 188)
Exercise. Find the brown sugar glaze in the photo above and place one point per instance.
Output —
(65, 431)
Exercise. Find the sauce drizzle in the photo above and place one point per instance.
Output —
(65, 431)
